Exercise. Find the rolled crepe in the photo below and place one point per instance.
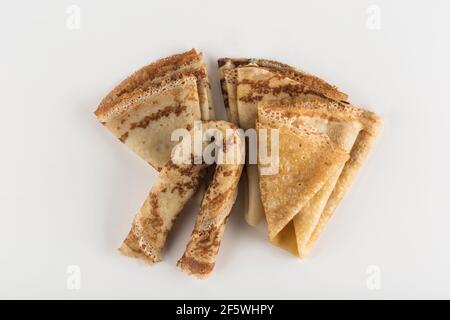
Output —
(175, 185)
(200, 254)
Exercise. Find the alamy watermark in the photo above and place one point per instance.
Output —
(212, 145)
(73, 281)
(373, 21)
(73, 20)
(373, 281)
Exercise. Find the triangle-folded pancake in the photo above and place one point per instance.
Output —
(307, 160)
(228, 79)
(228, 72)
(168, 69)
(256, 86)
(341, 127)
(359, 150)
(146, 120)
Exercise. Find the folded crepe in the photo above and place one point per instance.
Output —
(201, 251)
(145, 121)
(272, 83)
(176, 184)
(162, 92)
(242, 111)
(228, 80)
(307, 160)
(344, 130)
(143, 111)
(169, 69)
(342, 127)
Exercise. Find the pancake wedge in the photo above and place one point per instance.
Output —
(228, 80)
(342, 129)
(307, 160)
(145, 121)
(168, 69)
(259, 86)
(176, 184)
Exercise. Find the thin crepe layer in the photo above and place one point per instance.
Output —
(145, 121)
(342, 129)
(306, 161)
(306, 105)
(257, 85)
(228, 80)
(228, 72)
(171, 68)
(358, 154)
(201, 251)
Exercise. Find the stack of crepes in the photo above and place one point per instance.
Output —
(142, 112)
(322, 143)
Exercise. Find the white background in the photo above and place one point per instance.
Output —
(69, 189)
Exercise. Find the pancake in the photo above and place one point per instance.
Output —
(228, 72)
(307, 160)
(259, 86)
(145, 121)
(228, 80)
(168, 69)
(175, 185)
(200, 255)
(342, 129)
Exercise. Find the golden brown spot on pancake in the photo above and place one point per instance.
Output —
(152, 225)
(124, 137)
(227, 173)
(183, 187)
(167, 111)
(195, 266)
(207, 240)
(132, 242)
